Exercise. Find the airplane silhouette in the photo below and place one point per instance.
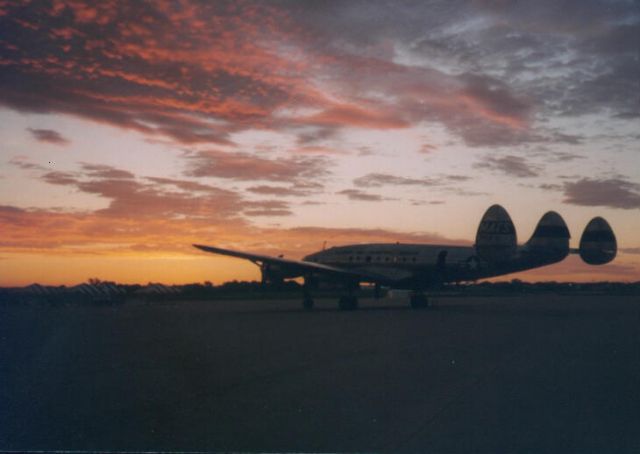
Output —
(418, 267)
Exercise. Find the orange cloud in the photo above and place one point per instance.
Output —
(235, 66)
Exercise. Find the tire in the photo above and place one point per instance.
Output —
(307, 303)
(419, 302)
(348, 303)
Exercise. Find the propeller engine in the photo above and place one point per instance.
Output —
(271, 274)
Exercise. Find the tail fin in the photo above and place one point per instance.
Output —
(598, 243)
(551, 235)
(496, 237)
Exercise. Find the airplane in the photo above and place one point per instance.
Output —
(419, 267)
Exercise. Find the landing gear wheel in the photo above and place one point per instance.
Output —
(307, 303)
(418, 301)
(348, 303)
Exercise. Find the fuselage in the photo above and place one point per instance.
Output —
(422, 265)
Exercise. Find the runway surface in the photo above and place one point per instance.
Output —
(539, 373)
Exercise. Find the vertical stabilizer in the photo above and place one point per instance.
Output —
(598, 243)
(496, 237)
(551, 236)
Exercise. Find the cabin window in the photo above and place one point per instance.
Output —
(413, 260)
(351, 258)
(368, 259)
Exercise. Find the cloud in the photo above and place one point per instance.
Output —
(266, 208)
(356, 194)
(278, 191)
(244, 166)
(123, 66)
(133, 198)
(48, 136)
(104, 171)
(374, 180)
(550, 186)
(427, 148)
(263, 66)
(574, 269)
(93, 233)
(510, 165)
(613, 193)
(24, 163)
(316, 71)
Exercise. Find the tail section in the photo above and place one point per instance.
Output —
(598, 243)
(496, 237)
(551, 236)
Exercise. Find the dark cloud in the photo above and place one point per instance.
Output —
(426, 202)
(266, 208)
(104, 171)
(457, 178)
(560, 156)
(60, 178)
(495, 96)
(613, 193)
(130, 197)
(374, 180)
(551, 186)
(278, 191)
(48, 136)
(244, 166)
(356, 194)
(427, 148)
(25, 164)
(515, 166)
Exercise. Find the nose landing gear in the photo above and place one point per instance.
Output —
(348, 303)
(418, 300)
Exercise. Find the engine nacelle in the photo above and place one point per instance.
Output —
(496, 237)
(271, 274)
(598, 243)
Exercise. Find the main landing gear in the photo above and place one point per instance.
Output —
(307, 302)
(418, 300)
(347, 302)
(307, 299)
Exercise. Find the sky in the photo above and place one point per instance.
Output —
(130, 130)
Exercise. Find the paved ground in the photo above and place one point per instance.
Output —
(505, 374)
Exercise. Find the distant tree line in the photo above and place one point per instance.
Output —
(96, 291)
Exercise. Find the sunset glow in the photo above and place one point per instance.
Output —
(131, 130)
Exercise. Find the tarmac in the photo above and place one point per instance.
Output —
(537, 373)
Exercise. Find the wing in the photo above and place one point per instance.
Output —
(295, 266)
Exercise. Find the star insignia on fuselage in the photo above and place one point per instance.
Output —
(472, 263)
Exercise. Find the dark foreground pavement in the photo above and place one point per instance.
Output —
(517, 374)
